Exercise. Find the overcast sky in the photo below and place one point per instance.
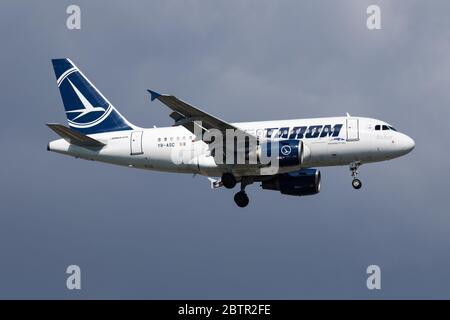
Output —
(141, 234)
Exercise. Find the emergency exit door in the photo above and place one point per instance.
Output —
(136, 143)
(352, 129)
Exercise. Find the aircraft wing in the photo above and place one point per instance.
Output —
(188, 116)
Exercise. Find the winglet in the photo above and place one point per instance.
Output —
(154, 95)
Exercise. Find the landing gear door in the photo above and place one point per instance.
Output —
(352, 129)
(136, 143)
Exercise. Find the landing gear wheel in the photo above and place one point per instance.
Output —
(357, 184)
(228, 180)
(241, 199)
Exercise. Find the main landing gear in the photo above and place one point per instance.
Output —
(229, 181)
(356, 183)
(241, 199)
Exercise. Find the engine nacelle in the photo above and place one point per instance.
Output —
(299, 183)
(288, 153)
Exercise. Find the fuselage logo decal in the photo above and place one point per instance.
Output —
(285, 150)
(301, 132)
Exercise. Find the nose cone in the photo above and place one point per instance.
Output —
(407, 144)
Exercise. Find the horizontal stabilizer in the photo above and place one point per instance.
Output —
(74, 137)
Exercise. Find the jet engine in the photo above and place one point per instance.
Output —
(299, 183)
(287, 152)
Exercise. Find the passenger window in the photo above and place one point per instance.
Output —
(377, 127)
(385, 127)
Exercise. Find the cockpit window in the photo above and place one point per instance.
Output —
(384, 127)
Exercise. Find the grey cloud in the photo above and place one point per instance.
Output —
(140, 234)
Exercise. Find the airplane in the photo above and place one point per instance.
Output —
(284, 154)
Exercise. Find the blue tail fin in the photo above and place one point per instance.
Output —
(87, 110)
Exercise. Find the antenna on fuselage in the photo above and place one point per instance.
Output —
(348, 115)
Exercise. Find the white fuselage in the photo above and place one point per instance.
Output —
(357, 140)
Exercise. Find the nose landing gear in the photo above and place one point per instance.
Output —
(356, 183)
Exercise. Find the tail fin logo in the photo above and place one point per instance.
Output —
(85, 106)
(88, 107)
(88, 111)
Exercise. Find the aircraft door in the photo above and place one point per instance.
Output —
(352, 129)
(136, 143)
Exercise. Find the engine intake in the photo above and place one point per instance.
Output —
(287, 152)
